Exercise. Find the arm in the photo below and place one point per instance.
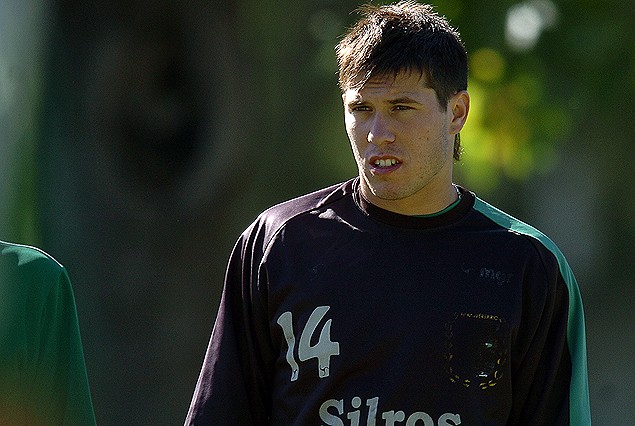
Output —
(550, 385)
(60, 372)
(232, 388)
(42, 369)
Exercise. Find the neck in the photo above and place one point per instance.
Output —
(432, 201)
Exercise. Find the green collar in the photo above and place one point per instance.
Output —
(445, 210)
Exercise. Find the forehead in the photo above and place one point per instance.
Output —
(404, 83)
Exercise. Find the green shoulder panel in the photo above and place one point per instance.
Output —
(580, 413)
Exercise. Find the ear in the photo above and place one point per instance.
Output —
(458, 106)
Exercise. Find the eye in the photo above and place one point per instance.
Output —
(401, 107)
(360, 108)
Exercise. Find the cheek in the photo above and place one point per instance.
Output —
(350, 123)
(356, 147)
(356, 151)
(354, 132)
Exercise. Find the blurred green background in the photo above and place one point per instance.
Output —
(139, 138)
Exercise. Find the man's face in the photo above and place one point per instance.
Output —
(403, 142)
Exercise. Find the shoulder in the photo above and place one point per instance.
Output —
(30, 279)
(29, 267)
(544, 246)
(24, 255)
(511, 224)
(275, 217)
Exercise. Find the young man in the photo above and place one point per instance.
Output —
(396, 297)
(42, 371)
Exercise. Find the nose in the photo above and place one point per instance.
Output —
(380, 131)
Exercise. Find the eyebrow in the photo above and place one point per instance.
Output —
(399, 100)
(403, 100)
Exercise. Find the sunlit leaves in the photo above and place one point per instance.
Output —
(513, 128)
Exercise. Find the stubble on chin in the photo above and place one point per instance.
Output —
(378, 190)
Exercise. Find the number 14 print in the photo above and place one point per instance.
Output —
(323, 350)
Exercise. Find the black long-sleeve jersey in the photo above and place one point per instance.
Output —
(336, 312)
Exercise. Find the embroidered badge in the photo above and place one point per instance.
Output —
(476, 349)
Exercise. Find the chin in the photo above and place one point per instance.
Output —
(385, 193)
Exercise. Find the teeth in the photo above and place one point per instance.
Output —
(386, 163)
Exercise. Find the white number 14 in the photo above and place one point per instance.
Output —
(323, 350)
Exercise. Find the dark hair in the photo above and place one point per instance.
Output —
(404, 36)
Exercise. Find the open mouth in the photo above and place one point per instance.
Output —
(383, 165)
(390, 162)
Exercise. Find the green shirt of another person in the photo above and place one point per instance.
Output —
(43, 378)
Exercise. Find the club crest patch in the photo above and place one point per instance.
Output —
(476, 349)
